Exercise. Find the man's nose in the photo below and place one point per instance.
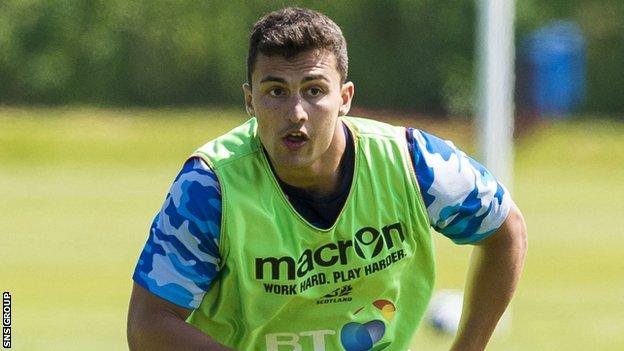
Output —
(297, 113)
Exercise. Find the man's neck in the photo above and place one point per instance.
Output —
(322, 178)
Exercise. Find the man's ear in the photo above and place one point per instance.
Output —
(248, 99)
(346, 93)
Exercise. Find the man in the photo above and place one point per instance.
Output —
(304, 229)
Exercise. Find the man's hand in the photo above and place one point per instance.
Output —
(155, 324)
(496, 265)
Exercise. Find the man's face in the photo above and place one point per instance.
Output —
(297, 102)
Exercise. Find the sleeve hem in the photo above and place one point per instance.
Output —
(473, 239)
(160, 294)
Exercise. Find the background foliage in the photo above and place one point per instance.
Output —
(405, 54)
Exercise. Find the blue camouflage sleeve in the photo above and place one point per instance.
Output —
(181, 256)
(464, 201)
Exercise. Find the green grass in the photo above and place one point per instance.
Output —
(79, 188)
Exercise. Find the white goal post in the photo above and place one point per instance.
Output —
(495, 69)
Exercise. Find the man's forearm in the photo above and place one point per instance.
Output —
(495, 268)
(155, 324)
(171, 333)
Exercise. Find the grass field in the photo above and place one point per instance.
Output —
(79, 188)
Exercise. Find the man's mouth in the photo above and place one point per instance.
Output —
(295, 140)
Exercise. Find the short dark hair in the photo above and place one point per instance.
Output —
(293, 30)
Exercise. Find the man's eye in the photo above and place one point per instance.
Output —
(276, 92)
(314, 91)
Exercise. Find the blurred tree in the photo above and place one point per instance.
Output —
(404, 54)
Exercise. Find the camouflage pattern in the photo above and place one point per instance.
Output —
(181, 257)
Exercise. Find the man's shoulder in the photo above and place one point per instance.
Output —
(370, 127)
(238, 142)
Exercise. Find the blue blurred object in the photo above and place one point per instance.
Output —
(554, 61)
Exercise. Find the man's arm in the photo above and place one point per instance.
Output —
(496, 265)
(177, 265)
(156, 324)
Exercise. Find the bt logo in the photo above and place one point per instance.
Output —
(353, 336)
(315, 337)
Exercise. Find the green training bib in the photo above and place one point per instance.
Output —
(362, 284)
